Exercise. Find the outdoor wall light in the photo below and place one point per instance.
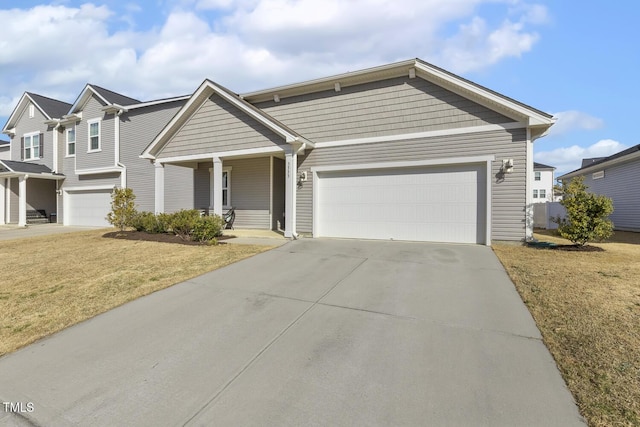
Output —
(507, 166)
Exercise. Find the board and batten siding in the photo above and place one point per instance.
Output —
(219, 126)
(35, 124)
(388, 107)
(507, 195)
(249, 190)
(137, 129)
(106, 156)
(621, 183)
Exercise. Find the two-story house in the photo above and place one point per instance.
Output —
(5, 147)
(542, 186)
(67, 158)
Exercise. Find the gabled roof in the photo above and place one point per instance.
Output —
(623, 156)
(463, 87)
(206, 90)
(108, 97)
(49, 107)
(537, 165)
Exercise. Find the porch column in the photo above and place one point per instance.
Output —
(159, 196)
(3, 200)
(216, 186)
(291, 173)
(22, 200)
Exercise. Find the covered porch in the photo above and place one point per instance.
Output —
(24, 188)
(261, 187)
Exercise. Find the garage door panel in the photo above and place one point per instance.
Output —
(444, 204)
(88, 208)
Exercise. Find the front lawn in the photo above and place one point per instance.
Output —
(49, 283)
(587, 306)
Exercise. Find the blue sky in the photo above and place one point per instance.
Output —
(578, 63)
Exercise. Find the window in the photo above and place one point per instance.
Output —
(94, 135)
(71, 141)
(537, 176)
(226, 188)
(31, 145)
(535, 194)
(543, 194)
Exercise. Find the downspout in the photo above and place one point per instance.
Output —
(123, 174)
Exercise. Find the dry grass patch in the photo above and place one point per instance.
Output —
(587, 306)
(49, 283)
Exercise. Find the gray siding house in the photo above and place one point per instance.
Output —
(404, 151)
(5, 150)
(67, 158)
(617, 177)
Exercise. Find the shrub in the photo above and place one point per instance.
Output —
(150, 223)
(123, 209)
(587, 214)
(207, 228)
(183, 222)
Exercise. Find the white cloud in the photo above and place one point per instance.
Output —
(566, 159)
(571, 120)
(246, 44)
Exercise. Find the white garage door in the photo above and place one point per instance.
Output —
(88, 208)
(437, 204)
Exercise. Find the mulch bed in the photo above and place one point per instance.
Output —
(557, 247)
(159, 237)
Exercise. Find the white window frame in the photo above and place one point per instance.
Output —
(89, 123)
(537, 176)
(75, 138)
(535, 194)
(542, 193)
(30, 135)
(227, 188)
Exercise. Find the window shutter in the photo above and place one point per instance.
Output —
(22, 148)
(41, 145)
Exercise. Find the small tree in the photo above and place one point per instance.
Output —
(123, 208)
(587, 214)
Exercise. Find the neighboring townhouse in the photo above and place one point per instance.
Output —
(542, 186)
(66, 159)
(617, 177)
(405, 151)
(5, 150)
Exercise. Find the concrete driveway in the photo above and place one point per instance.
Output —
(315, 332)
(10, 232)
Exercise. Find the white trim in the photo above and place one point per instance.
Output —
(405, 164)
(271, 192)
(528, 209)
(3, 200)
(605, 164)
(223, 154)
(89, 123)
(14, 114)
(159, 188)
(426, 134)
(89, 188)
(96, 171)
(598, 174)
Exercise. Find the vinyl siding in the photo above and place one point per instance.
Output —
(41, 194)
(508, 196)
(137, 130)
(621, 184)
(389, 107)
(13, 200)
(27, 125)
(219, 126)
(249, 191)
(106, 157)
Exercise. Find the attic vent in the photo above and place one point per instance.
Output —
(598, 175)
(32, 111)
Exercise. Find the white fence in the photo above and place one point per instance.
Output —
(543, 212)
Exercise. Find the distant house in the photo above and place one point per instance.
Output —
(5, 150)
(542, 186)
(617, 177)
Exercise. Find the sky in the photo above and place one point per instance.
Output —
(576, 60)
